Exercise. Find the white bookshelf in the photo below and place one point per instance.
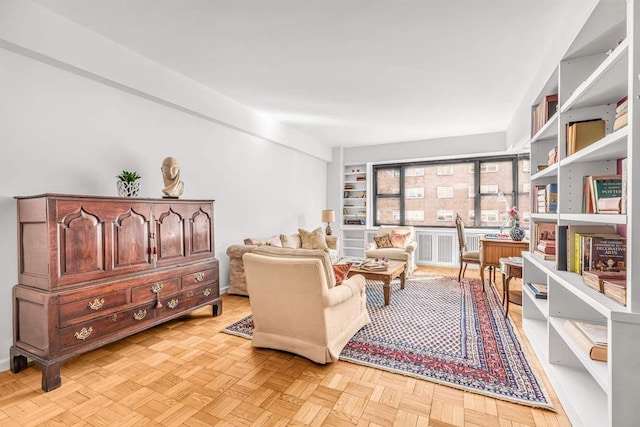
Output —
(354, 196)
(600, 67)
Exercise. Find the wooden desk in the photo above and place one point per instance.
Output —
(509, 270)
(491, 250)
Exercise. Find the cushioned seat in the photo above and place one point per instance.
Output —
(296, 305)
(403, 245)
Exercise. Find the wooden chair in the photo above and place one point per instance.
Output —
(466, 256)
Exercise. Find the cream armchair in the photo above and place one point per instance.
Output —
(296, 305)
(405, 253)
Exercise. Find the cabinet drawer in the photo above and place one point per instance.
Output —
(150, 291)
(189, 299)
(89, 305)
(199, 278)
(102, 327)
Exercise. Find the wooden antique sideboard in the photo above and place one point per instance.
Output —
(93, 270)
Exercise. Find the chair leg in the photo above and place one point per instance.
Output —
(460, 272)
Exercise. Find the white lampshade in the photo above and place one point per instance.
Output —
(328, 215)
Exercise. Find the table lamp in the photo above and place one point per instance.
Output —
(328, 216)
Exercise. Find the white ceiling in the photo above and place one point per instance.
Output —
(346, 72)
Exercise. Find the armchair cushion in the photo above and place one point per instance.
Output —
(399, 240)
(340, 272)
(383, 241)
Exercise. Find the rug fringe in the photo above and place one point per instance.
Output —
(238, 334)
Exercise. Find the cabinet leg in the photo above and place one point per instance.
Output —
(51, 377)
(216, 308)
(17, 362)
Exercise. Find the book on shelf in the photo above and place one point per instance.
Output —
(594, 279)
(571, 232)
(604, 253)
(582, 254)
(604, 188)
(539, 289)
(616, 289)
(552, 197)
(584, 133)
(543, 112)
(544, 256)
(543, 235)
(622, 171)
(598, 188)
(553, 156)
(546, 246)
(621, 118)
(590, 337)
(620, 121)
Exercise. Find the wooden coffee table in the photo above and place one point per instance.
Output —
(394, 269)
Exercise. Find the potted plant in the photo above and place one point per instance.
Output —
(128, 184)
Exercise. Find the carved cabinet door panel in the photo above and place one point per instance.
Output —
(98, 239)
(170, 229)
(201, 231)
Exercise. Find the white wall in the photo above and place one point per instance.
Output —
(64, 131)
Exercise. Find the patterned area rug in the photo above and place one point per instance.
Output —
(439, 330)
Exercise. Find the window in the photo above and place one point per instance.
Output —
(444, 170)
(488, 168)
(445, 192)
(415, 193)
(489, 188)
(414, 172)
(444, 216)
(430, 194)
(415, 215)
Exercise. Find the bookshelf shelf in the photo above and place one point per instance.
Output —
(600, 68)
(550, 171)
(597, 369)
(548, 130)
(612, 146)
(617, 219)
(607, 84)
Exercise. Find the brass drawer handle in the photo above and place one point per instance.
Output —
(140, 314)
(199, 277)
(157, 287)
(207, 292)
(96, 304)
(83, 334)
(173, 303)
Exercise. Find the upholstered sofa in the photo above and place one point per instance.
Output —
(401, 245)
(237, 278)
(296, 305)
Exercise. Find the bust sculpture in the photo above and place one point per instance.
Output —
(173, 186)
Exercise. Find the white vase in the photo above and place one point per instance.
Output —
(128, 189)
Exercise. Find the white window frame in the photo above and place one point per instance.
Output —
(444, 170)
(444, 215)
(489, 216)
(487, 167)
(414, 193)
(414, 215)
(489, 189)
(444, 192)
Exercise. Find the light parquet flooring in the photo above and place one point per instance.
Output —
(188, 373)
